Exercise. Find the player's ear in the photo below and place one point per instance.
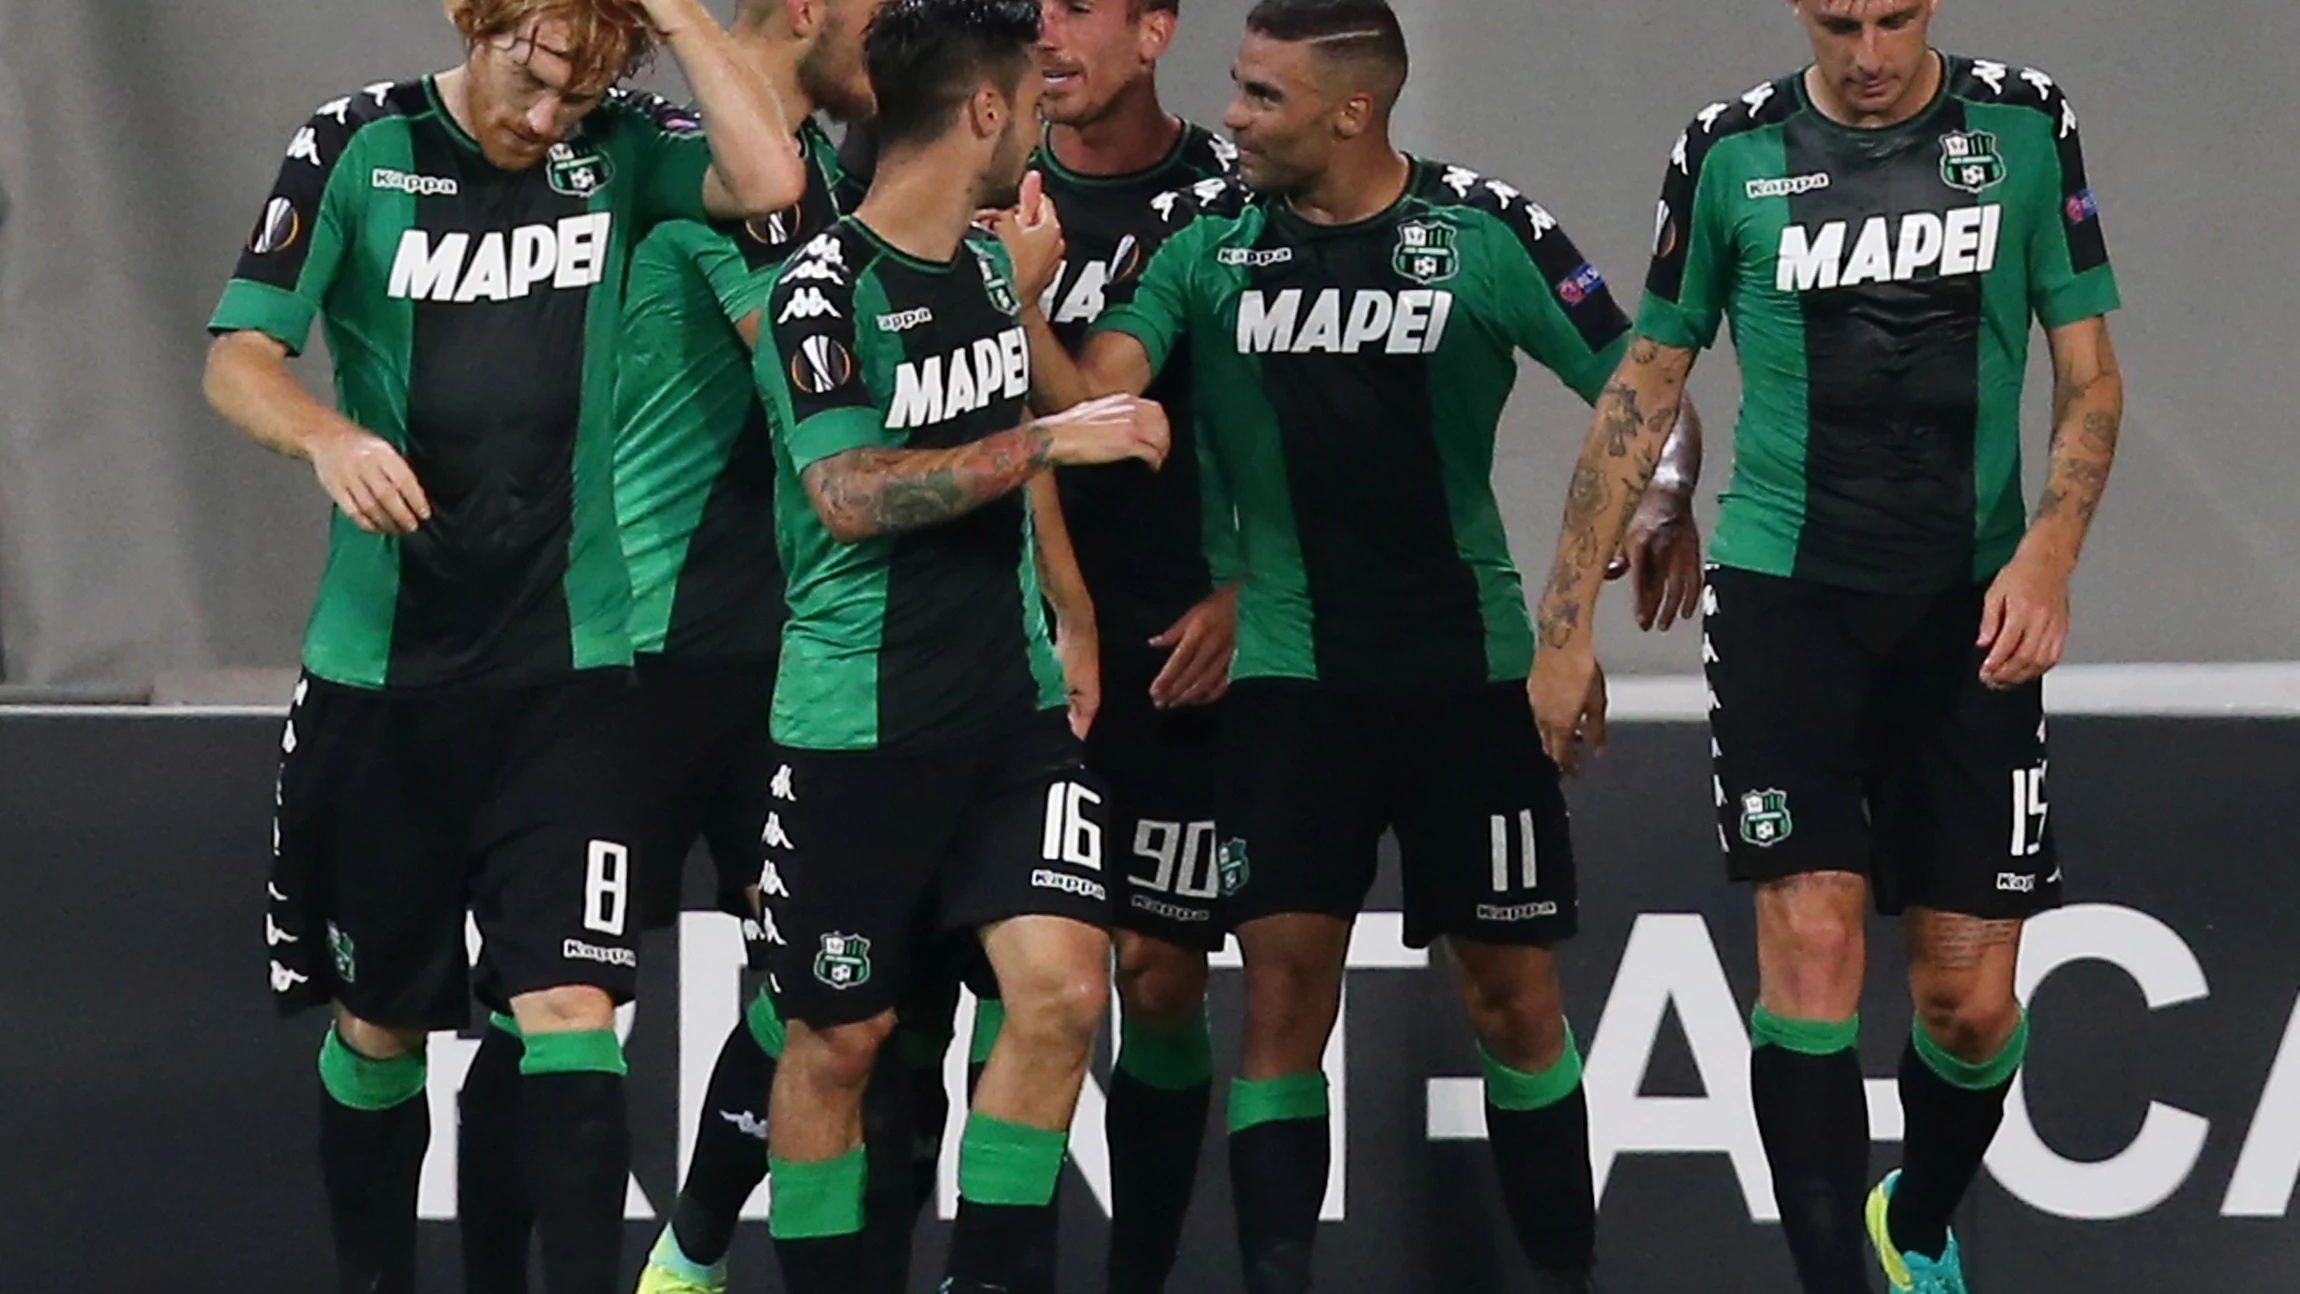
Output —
(1155, 35)
(1356, 114)
(987, 111)
(804, 16)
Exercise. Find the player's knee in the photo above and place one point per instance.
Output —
(1519, 1018)
(1057, 1006)
(378, 1042)
(1160, 984)
(565, 1009)
(1967, 1023)
(836, 1057)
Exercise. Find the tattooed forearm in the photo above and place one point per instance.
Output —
(2088, 408)
(870, 491)
(1634, 417)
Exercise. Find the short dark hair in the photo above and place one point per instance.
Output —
(1364, 30)
(926, 56)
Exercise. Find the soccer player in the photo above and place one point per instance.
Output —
(1165, 629)
(462, 236)
(918, 702)
(1351, 317)
(1881, 227)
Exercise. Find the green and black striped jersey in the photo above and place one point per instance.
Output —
(1349, 382)
(933, 636)
(472, 315)
(694, 472)
(1880, 286)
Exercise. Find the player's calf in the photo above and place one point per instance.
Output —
(1160, 1090)
(1969, 1038)
(374, 1127)
(574, 1134)
(815, 1147)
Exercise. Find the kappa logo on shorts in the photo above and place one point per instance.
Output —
(575, 950)
(1516, 911)
(774, 837)
(746, 1123)
(284, 979)
(346, 957)
(1765, 820)
(771, 881)
(1233, 867)
(781, 788)
(1046, 878)
(2017, 882)
(844, 961)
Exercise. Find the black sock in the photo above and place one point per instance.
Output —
(1155, 1133)
(889, 1211)
(493, 1218)
(374, 1126)
(1279, 1155)
(1805, 1080)
(575, 1145)
(730, 1149)
(930, 1116)
(1952, 1109)
(1538, 1126)
(1002, 1249)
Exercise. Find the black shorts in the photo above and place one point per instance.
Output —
(1008, 827)
(1852, 733)
(703, 761)
(1311, 777)
(398, 814)
(1159, 765)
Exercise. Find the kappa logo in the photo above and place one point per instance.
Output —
(578, 172)
(1426, 252)
(2016, 882)
(808, 303)
(774, 836)
(1254, 257)
(1765, 820)
(762, 930)
(273, 935)
(1412, 322)
(771, 881)
(1516, 911)
(1947, 244)
(284, 979)
(1046, 878)
(1789, 187)
(419, 186)
(843, 962)
(746, 1123)
(964, 381)
(1224, 151)
(577, 951)
(501, 265)
(905, 320)
(1970, 162)
(782, 787)
(304, 147)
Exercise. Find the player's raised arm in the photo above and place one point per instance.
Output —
(754, 167)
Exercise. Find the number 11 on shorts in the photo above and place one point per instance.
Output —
(1529, 863)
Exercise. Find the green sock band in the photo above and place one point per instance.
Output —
(1811, 1037)
(817, 1200)
(989, 1018)
(1009, 1163)
(1969, 1075)
(1170, 1060)
(766, 1024)
(575, 1051)
(1514, 1089)
(1256, 1101)
(354, 1080)
(509, 1025)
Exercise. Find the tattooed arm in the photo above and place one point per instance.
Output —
(2024, 622)
(870, 491)
(1635, 414)
(1663, 546)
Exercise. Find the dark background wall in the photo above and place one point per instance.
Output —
(137, 138)
(157, 1119)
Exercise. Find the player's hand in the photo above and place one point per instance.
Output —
(369, 480)
(1079, 648)
(1662, 554)
(1032, 232)
(1111, 429)
(1197, 670)
(2024, 621)
(1567, 689)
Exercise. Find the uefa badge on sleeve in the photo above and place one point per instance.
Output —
(1970, 161)
(1765, 818)
(844, 961)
